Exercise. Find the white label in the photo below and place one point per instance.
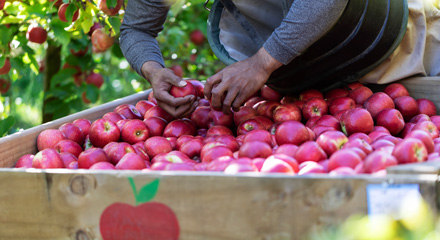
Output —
(387, 199)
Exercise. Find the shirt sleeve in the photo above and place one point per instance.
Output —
(305, 22)
(143, 20)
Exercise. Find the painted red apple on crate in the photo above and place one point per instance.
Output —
(146, 220)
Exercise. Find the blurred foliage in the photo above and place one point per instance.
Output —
(413, 221)
(21, 106)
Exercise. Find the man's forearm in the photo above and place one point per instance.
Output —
(304, 24)
(143, 20)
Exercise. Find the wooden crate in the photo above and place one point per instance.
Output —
(70, 204)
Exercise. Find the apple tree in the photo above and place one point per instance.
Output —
(58, 57)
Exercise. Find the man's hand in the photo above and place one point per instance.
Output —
(236, 83)
(161, 80)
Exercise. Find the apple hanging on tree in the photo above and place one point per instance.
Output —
(62, 13)
(109, 10)
(36, 34)
(197, 37)
(6, 67)
(101, 40)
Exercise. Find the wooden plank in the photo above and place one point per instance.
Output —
(416, 168)
(16, 145)
(424, 87)
(62, 204)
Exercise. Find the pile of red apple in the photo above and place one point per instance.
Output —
(343, 131)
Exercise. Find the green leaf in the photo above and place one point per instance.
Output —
(61, 35)
(6, 124)
(147, 192)
(87, 19)
(30, 59)
(92, 93)
(111, 3)
(70, 11)
(115, 22)
(60, 77)
(177, 7)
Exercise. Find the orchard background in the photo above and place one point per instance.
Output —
(51, 78)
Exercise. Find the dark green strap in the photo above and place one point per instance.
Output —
(244, 23)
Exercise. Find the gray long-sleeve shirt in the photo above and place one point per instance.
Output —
(306, 22)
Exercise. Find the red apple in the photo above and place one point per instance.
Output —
(25, 161)
(425, 137)
(310, 93)
(360, 94)
(310, 151)
(121, 123)
(410, 150)
(72, 132)
(192, 148)
(249, 125)
(68, 158)
(48, 138)
(4, 85)
(407, 106)
(95, 79)
(101, 40)
(406, 129)
(220, 118)
(426, 106)
(331, 141)
(103, 131)
(274, 164)
(378, 102)
(287, 112)
(134, 131)
(287, 149)
(113, 116)
(354, 85)
(292, 132)
(311, 168)
(254, 149)
(342, 171)
(131, 161)
(240, 165)
(102, 166)
(158, 112)
(215, 152)
(392, 120)
(343, 158)
(228, 140)
(47, 158)
(143, 106)
(258, 135)
(139, 148)
(328, 120)
(266, 108)
(199, 86)
(436, 120)
(341, 103)
(251, 102)
(83, 124)
(109, 10)
(218, 130)
(69, 146)
(178, 128)
(360, 135)
(196, 36)
(128, 111)
(270, 94)
(314, 107)
(395, 90)
(118, 150)
(186, 90)
(420, 118)
(219, 164)
(335, 93)
(357, 120)
(200, 116)
(6, 67)
(428, 127)
(156, 145)
(36, 34)
(244, 113)
(155, 125)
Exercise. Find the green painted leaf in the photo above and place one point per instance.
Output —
(146, 193)
(6, 124)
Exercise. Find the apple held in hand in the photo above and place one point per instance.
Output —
(186, 90)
